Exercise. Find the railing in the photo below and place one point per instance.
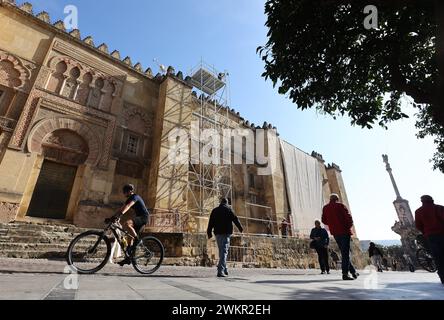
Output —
(171, 221)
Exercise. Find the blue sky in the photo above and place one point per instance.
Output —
(226, 34)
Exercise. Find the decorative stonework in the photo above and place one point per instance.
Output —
(43, 132)
(170, 71)
(27, 7)
(71, 51)
(87, 86)
(136, 119)
(75, 33)
(24, 121)
(53, 61)
(44, 16)
(13, 72)
(127, 61)
(89, 41)
(103, 47)
(65, 146)
(115, 54)
(138, 67)
(38, 97)
(60, 25)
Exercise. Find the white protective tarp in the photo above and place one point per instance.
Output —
(304, 187)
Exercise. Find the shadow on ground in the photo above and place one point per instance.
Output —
(397, 291)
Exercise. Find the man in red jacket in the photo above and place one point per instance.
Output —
(335, 215)
(429, 219)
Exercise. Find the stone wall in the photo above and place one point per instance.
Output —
(248, 251)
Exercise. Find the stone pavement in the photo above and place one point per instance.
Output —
(43, 279)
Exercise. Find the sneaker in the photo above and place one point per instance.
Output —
(328, 272)
(226, 273)
(355, 275)
(130, 250)
(346, 277)
(221, 275)
(323, 272)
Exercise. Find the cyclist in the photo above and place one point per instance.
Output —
(135, 225)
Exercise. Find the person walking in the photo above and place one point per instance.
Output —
(429, 219)
(221, 221)
(375, 255)
(394, 265)
(269, 226)
(284, 228)
(336, 216)
(320, 243)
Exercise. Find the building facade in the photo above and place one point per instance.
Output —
(78, 122)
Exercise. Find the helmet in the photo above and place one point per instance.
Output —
(128, 188)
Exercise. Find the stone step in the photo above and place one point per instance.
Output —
(32, 254)
(18, 232)
(41, 251)
(36, 239)
(22, 226)
(42, 246)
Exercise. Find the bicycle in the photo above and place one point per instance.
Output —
(90, 251)
(424, 256)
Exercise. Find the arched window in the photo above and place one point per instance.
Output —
(96, 93)
(57, 78)
(71, 85)
(108, 96)
(84, 88)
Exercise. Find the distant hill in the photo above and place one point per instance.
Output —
(386, 243)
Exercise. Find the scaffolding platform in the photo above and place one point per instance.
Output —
(207, 81)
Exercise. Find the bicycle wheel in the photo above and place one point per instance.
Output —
(148, 255)
(89, 252)
(425, 260)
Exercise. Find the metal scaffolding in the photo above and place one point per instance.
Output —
(208, 182)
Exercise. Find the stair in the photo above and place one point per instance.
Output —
(36, 241)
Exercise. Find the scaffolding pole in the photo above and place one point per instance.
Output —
(208, 183)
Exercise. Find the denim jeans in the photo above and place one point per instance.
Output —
(344, 245)
(223, 243)
(436, 243)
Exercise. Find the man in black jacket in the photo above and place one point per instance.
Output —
(375, 255)
(320, 243)
(221, 220)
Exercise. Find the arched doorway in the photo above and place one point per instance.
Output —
(63, 151)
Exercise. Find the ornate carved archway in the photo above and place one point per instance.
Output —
(15, 75)
(53, 131)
